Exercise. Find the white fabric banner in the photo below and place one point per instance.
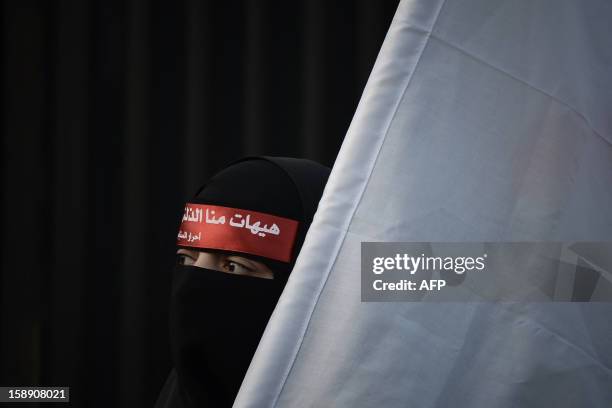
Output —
(482, 120)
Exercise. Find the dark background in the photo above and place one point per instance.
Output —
(114, 112)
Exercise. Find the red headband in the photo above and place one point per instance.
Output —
(232, 229)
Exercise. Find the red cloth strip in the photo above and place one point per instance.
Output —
(233, 229)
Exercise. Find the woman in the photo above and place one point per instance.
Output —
(238, 241)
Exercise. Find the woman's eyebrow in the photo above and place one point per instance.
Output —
(184, 251)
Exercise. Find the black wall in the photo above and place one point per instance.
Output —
(114, 112)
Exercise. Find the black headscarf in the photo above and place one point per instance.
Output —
(217, 318)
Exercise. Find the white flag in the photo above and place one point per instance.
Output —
(482, 120)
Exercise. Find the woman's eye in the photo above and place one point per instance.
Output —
(183, 259)
(235, 267)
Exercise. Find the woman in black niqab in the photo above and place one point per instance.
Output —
(259, 208)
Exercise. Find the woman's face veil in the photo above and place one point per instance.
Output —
(260, 208)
